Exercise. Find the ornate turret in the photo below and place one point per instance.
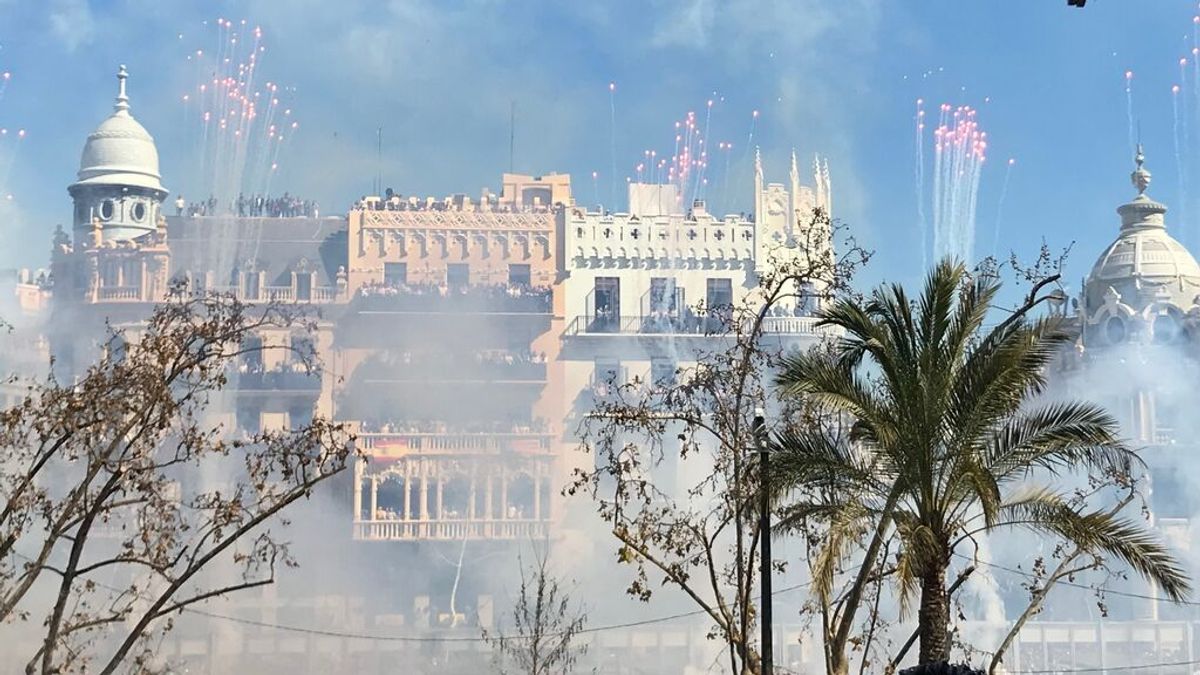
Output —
(118, 180)
(1145, 282)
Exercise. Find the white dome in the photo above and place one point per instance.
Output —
(120, 151)
(1149, 254)
(1145, 265)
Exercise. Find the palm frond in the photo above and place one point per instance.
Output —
(1104, 532)
(1057, 437)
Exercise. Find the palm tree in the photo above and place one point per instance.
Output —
(947, 440)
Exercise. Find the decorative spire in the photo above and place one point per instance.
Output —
(758, 171)
(1142, 211)
(826, 188)
(1140, 175)
(122, 105)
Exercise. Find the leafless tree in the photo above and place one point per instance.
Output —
(125, 501)
(702, 537)
(545, 626)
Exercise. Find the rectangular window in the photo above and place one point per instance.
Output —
(250, 285)
(304, 285)
(662, 371)
(395, 274)
(663, 295)
(720, 294)
(718, 302)
(458, 275)
(249, 419)
(606, 305)
(519, 275)
(608, 375)
(303, 349)
(252, 356)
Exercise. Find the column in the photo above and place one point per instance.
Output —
(408, 495)
(440, 512)
(537, 493)
(471, 500)
(374, 497)
(424, 496)
(488, 507)
(503, 494)
(358, 485)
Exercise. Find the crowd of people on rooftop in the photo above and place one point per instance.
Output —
(250, 206)
(534, 426)
(391, 201)
(480, 291)
(482, 357)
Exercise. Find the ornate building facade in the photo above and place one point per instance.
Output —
(460, 336)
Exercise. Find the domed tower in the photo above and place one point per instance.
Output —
(1145, 284)
(118, 184)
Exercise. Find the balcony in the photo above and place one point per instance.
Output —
(278, 380)
(119, 294)
(383, 446)
(450, 530)
(280, 294)
(492, 299)
(436, 370)
(688, 325)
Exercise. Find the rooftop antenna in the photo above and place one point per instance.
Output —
(379, 161)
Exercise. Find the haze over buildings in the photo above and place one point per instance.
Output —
(464, 333)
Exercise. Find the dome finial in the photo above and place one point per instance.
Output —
(122, 104)
(1140, 175)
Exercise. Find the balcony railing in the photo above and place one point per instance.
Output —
(279, 293)
(793, 325)
(685, 325)
(119, 293)
(463, 303)
(450, 530)
(318, 294)
(450, 373)
(382, 445)
(279, 379)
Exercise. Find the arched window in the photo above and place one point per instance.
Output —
(1115, 330)
(107, 209)
(1167, 328)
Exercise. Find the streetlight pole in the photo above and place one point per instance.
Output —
(764, 526)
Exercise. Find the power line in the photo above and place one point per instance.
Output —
(428, 638)
(1071, 584)
(1107, 669)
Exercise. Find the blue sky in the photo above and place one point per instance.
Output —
(440, 77)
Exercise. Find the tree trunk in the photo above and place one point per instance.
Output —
(934, 616)
(838, 664)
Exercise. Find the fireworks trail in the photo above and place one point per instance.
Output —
(242, 126)
(612, 109)
(15, 137)
(686, 164)
(919, 180)
(701, 181)
(743, 163)
(240, 123)
(1129, 109)
(1000, 206)
(596, 186)
(727, 148)
(960, 149)
(1176, 136)
(4, 78)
